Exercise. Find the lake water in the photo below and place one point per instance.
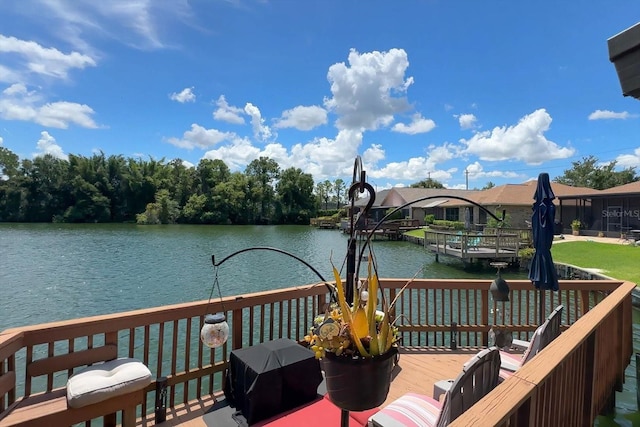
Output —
(52, 272)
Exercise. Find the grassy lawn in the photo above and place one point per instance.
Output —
(618, 261)
(416, 233)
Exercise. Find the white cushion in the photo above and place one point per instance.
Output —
(103, 381)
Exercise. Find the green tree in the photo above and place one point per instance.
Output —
(9, 162)
(231, 199)
(324, 189)
(195, 208)
(339, 188)
(488, 185)
(46, 184)
(12, 194)
(262, 173)
(88, 204)
(295, 196)
(588, 173)
(427, 183)
(182, 181)
(168, 209)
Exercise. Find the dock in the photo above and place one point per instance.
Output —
(468, 247)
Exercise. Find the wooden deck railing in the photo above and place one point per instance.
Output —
(572, 380)
(167, 338)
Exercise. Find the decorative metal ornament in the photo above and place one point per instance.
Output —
(499, 288)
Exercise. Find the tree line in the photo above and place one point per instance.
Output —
(113, 188)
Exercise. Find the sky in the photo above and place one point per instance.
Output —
(463, 92)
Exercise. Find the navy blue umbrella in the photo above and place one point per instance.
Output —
(542, 271)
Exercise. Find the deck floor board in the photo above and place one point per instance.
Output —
(419, 368)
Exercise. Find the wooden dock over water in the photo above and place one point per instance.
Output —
(470, 247)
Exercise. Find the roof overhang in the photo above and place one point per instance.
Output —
(624, 52)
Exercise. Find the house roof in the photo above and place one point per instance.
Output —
(409, 194)
(504, 195)
(398, 196)
(522, 194)
(632, 188)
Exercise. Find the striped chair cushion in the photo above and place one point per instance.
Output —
(509, 361)
(410, 410)
(504, 374)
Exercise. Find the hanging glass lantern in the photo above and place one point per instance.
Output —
(215, 330)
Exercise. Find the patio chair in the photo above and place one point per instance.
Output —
(478, 377)
(474, 241)
(455, 241)
(542, 336)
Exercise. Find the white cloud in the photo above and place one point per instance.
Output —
(47, 145)
(237, 155)
(302, 118)
(321, 157)
(326, 157)
(15, 89)
(607, 115)
(227, 113)
(187, 164)
(467, 121)
(442, 153)
(199, 137)
(476, 171)
(261, 132)
(448, 107)
(17, 103)
(418, 125)
(137, 23)
(40, 60)
(8, 75)
(186, 95)
(412, 170)
(367, 92)
(1, 140)
(524, 141)
(372, 156)
(629, 160)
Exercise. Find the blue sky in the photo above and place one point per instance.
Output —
(502, 89)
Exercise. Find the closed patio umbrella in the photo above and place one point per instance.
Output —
(467, 219)
(542, 271)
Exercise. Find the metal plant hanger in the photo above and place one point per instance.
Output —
(353, 257)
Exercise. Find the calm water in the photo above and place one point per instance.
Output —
(54, 272)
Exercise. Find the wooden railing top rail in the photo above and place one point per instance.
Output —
(483, 284)
(10, 342)
(501, 404)
(64, 329)
(124, 320)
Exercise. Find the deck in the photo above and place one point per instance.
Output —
(569, 383)
(418, 369)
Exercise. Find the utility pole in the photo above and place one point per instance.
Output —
(466, 173)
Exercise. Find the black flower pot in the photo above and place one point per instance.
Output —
(358, 384)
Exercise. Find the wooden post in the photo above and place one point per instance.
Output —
(236, 335)
(485, 315)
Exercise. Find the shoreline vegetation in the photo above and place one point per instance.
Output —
(103, 189)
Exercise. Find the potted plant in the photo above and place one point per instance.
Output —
(356, 345)
(575, 227)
